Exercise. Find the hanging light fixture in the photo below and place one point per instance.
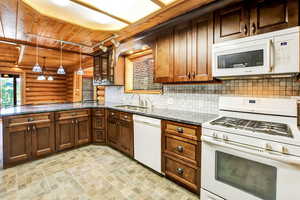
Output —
(61, 69)
(42, 77)
(37, 67)
(50, 78)
(80, 70)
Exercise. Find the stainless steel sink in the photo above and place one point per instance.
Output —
(131, 107)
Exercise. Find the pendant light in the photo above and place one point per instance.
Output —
(61, 69)
(80, 70)
(37, 67)
(42, 77)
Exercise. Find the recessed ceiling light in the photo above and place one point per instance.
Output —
(61, 2)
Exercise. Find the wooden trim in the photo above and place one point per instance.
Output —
(100, 11)
(159, 3)
(32, 44)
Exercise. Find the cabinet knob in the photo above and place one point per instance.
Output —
(245, 29)
(253, 28)
(180, 171)
(180, 149)
(179, 130)
(189, 75)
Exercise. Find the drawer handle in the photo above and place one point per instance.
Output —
(180, 171)
(179, 130)
(180, 149)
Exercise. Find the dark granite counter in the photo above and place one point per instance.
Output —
(195, 118)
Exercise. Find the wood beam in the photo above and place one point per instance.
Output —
(159, 3)
(32, 44)
(100, 11)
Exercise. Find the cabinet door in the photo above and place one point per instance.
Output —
(126, 137)
(231, 22)
(201, 48)
(65, 134)
(83, 131)
(43, 139)
(17, 140)
(113, 133)
(182, 52)
(270, 15)
(99, 135)
(98, 122)
(163, 71)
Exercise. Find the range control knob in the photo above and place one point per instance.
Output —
(268, 146)
(284, 150)
(225, 137)
(215, 135)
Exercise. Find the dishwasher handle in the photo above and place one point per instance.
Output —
(147, 123)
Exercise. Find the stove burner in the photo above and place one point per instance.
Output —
(270, 128)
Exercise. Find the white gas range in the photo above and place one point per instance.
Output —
(252, 151)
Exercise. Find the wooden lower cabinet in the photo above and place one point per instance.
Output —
(43, 139)
(17, 145)
(25, 140)
(181, 154)
(126, 137)
(82, 131)
(73, 128)
(65, 134)
(120, 132)
(99, 126)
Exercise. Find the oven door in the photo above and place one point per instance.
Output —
(237, 174)
(243, 59)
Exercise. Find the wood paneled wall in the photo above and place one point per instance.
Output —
(38, 92)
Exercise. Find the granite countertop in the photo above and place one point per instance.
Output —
(195, 118)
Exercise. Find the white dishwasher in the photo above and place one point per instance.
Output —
(147, 141)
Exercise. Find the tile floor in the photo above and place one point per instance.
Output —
(87, 173)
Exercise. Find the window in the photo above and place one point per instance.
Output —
(139, 70)
(10, 90)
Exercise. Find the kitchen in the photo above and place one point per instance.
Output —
(176, 99)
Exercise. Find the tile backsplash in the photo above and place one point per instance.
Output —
(204, 98)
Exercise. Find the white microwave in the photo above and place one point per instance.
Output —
(275, 53)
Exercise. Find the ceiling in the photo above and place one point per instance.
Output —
(21, 21)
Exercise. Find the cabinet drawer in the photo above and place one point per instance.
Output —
(182, 148)
(72, 114)
(126, 116)
(184, 130)
(99, 135)
(99, 112)
(182, 173)
(99, 122)
(27, 119)
(113, 114)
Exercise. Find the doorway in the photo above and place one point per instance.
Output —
(10, 90)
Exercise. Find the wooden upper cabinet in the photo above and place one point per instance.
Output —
(163, 71)
(231, 22)
(202, 40)
(270, 15)
(182, 52)
(43, 139)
